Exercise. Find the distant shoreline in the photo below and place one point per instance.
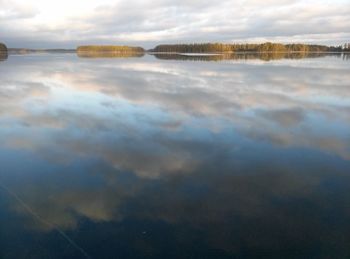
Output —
(29, 51)
(199, 48)
(187, 51)
(242, 52)
(12, 51)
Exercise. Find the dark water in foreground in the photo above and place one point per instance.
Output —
(163, 158)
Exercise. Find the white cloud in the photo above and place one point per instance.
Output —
(44, 23)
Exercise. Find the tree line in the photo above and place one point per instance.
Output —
(266, 56)
(3, 47)
(110, 48)
(3, 52)
(346, 47)
(203, 48)
(248, 47)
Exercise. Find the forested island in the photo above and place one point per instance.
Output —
(3, 51)
(109, 49)
(32, 51)
(249, 47)
(3, 47)
(266, 56)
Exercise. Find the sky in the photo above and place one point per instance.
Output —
(68, 23)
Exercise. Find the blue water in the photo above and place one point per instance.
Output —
(164, 158)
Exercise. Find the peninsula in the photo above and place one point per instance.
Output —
(249, 47)
(3, 51)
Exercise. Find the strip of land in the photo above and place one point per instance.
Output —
(3, 47)
(92, 51)
(3, 52)
(266, 56)
(32, 51)
(234, 48)
(109, 49)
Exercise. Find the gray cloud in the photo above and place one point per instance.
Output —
(152, 22)
(259, 100)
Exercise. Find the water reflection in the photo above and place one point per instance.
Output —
(109, 55)
(141, 158)
(3, 56)
(266, 56)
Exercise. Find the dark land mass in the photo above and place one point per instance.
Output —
(266, 56)
(109, 49)
(265, 51)
(233, 48)
(3, 47)
(30, 51)
(3, 52)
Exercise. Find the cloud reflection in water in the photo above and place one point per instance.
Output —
(238, 157)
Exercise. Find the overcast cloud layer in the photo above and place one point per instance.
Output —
(49, 24)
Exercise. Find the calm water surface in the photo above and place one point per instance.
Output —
(157, 157)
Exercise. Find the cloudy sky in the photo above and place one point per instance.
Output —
(67, 23)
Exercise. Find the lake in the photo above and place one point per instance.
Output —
(173, 156)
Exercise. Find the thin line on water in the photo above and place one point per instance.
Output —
(44, 221)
